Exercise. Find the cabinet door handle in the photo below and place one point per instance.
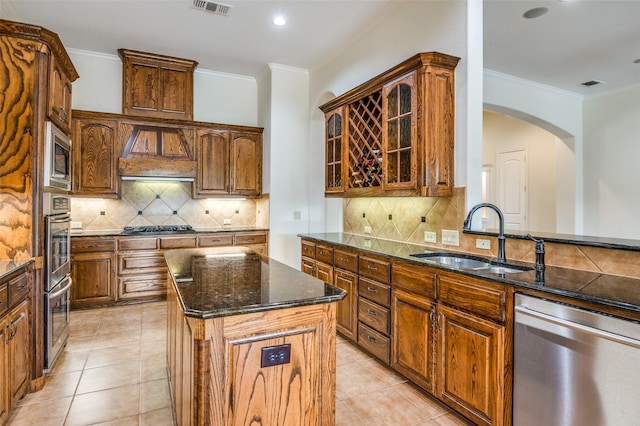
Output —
(372, 340)
(372, 290)
(10, 334)
(439, 317)
(372, 312)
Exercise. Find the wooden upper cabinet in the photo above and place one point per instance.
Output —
(157, 85)
(246, 163)
(334, 151)
(397, 132)
(213, 162)
(59, 96)
(95, 157)
(229, 163)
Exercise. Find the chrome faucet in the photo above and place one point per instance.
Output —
(502, 258)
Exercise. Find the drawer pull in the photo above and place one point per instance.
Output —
(372, 290)
(372, 340)
(344, 259)
(372, 267)
(372, 312)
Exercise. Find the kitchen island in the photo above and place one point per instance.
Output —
(250, 340)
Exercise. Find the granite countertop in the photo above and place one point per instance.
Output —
(7, 266)
(217, 282)
(608, 290)
(118, 232)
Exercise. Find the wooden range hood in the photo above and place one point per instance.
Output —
(157, 152)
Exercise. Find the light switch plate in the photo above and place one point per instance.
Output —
(450, 238)
(226, 222)
(430, 237)
(367, 229)
(76, 225)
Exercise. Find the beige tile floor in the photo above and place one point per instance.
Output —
(113, 372)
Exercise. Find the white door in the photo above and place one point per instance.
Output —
(512, 173)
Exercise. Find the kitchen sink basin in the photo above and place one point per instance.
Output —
(472, 263)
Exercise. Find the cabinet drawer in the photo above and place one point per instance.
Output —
(221, 239)
(377, 292)
(142, 286)
(374, 268)
(18, 288)
(137, 243)
(416, 278)
(477, 296)
(324, 254)
(345, 260)
(4, 300)
(374, 315)
(243, 238)
(86, 245)
(309, 249)
(374, 342)
(178, 242)
(141, 263)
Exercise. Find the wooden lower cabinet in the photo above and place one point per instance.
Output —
(413, 343)
(93, 271)
(215, 369)
(15, 355)
(470, 366)
(347, 308)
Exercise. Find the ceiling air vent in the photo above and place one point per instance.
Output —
(591, 83)
(217, 8)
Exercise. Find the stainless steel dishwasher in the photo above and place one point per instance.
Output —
(573, 366)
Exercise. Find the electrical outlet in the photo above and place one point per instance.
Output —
(367, 229)
(76, 225)
(226, 222)
(450, 238)
(483, 244)
(430, 237)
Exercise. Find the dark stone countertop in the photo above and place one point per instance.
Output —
(217, 282)
(7, 266)
(602, 289)
(197, 230)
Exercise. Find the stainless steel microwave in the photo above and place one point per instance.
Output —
(57, 158)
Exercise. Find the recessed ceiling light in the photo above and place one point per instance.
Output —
(536, 12)
(279, 21)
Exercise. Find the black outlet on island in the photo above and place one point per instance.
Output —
(275, 355)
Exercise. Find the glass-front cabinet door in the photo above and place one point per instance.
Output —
(334, 142)
(399, 132)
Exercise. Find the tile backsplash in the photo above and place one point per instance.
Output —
(401, 219)
(166, 203)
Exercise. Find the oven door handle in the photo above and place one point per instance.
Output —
(62, 290)
(61, 220)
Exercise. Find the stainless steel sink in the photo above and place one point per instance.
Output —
(473, 263)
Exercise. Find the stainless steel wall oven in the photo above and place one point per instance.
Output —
(57, 278)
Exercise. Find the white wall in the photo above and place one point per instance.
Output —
(399, 32)
(287, 154)
(612, 173)
(218, 97)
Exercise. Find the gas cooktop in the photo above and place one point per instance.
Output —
(157, 229)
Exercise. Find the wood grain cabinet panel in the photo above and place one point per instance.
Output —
(229, 163)
(347, 309)
(470, 363)
(5, 333)
(157, 85)
(4, 298)
(216, 240)
(95, 156)
(94, 279)
(59, 95)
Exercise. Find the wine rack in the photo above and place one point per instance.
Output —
(365, 142)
